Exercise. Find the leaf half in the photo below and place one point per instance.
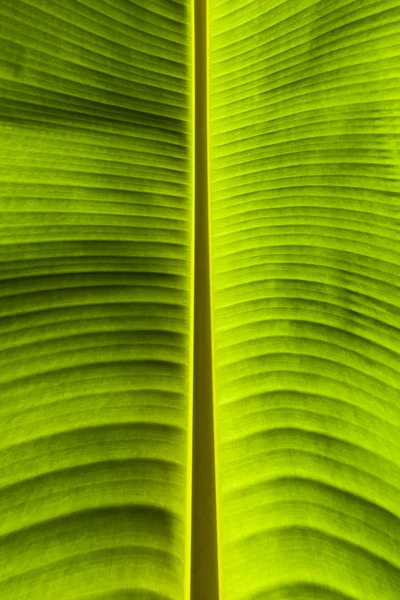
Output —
(96, 299)
(305, 182)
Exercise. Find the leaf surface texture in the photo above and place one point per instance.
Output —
(305, 240)
(95, 298)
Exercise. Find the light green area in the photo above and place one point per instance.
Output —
(305, 211)
(95, 298)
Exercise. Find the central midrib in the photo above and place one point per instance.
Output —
(204, 557)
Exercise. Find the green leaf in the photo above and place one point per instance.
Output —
(305, 166)
(96, 254)
(97, 303)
